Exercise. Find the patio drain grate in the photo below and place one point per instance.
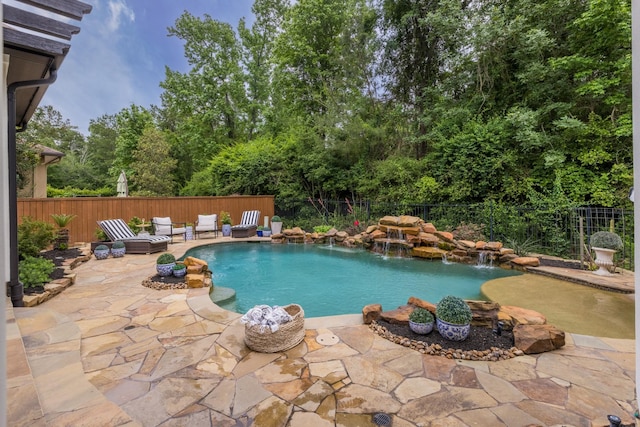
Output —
(382, 419)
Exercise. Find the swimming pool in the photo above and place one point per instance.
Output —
(331, 280)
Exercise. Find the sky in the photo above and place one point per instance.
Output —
(119, 56)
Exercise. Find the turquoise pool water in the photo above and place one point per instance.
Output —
(328, 280)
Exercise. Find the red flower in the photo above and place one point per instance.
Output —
(356, 223)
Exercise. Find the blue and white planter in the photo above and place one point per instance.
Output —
(421, 328)
(180, 273)
(101, 253)
(118, 252)
(165, 269)
(453, 332)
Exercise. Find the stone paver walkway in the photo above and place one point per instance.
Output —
(110, 352)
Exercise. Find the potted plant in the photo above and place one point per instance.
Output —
(101, 252)
(259, 230)
(165, 263)
(62, 239)
(266, 232)
(276, 224)
(605, 244)
(118, 249)
(453, 318)
(421, 321)
(225, 220)
(179, 270)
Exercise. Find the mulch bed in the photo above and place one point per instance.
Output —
(58, 256)
(479, 338)
(165, 282)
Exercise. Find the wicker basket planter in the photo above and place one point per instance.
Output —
(289, 334)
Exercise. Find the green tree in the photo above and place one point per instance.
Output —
(152, 165)
(101, 144)
(131, 122)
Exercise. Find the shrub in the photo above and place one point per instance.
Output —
(116, 245)
(606, 240)
(322, 228)
(134, 224)
(34, 236)
(260, 227)
(101, 248)
(421, 315)
(276, 218)
(178, 267)
(469, 231)
(166, 259)
(454, 310)
(34, 271)
(101, 235)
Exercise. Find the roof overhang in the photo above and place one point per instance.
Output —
(36, 44)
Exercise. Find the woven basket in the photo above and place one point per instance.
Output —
(289, 334)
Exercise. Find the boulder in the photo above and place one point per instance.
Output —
(399, 316)
(409, 221)
(506, 251)
(427, 252)
(195, 280)
(485, 313)
(378, 234)
(428, 238)
(417, 302)
(194, 269)
(523, 316)
(533, 339)
(331, 233)
(444, 235)
(429, 228)
(371, 229)
(371, 312)
(480, 244)
(467, 244)
(493, 246)
(389, 220)
(526, 261)
(341, 236)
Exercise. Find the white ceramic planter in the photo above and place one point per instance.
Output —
(276, 227)
(604, 260)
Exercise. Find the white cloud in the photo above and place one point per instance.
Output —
(118, 10)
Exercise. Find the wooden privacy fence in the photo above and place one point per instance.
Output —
(89, 210)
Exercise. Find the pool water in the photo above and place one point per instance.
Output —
(330, 280)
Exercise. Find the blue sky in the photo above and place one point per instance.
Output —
(120, 54)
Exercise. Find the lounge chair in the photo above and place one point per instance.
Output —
(163, 226)
(206, 224)
(118, 231)
(248, 225)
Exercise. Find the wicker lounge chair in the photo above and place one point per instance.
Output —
(248, 225)
(163, 226)
(118, 230)
(206, 224)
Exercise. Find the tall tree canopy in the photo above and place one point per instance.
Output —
(394, 100)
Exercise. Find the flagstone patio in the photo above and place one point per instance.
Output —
(110, 352)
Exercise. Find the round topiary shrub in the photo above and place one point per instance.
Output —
(453, 318)
(606, 240)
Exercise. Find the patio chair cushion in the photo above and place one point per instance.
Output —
(118, 230)
(164, 226)
(207, 223)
